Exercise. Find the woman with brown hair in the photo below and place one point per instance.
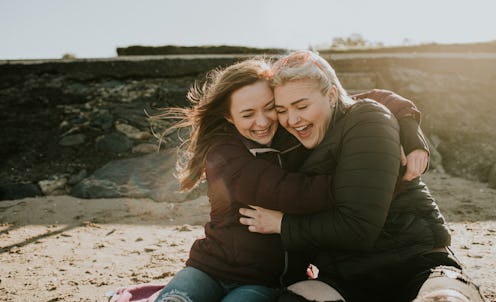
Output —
(236, 143)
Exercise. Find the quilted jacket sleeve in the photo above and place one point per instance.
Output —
(407, 114)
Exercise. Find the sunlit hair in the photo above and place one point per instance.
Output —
(206, 117)
(307, 65)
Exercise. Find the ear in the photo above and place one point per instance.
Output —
(229, 119)
(333, 94)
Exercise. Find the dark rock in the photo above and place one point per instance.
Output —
(10, 191)
(133, 114)
(113, 143)
(149, 176)
(78, 120)
(72, 140)
(112, 84)
(74, 179)
(103, 119)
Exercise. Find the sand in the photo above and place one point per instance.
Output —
(61, 248)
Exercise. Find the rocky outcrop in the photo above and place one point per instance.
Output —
(62, 133)
(455, 93)
(139, 50)
(80, 126)
(150, 176)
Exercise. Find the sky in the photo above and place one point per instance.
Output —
(35, 29)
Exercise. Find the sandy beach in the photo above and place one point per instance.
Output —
(61, 248)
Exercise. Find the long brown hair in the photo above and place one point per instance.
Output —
(206, 116)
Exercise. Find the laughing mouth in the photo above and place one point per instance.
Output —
(303, 131)
(263, 132)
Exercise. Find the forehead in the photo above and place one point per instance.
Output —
(251, 96)
(295, 90)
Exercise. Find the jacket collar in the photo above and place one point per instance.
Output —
(282, 143)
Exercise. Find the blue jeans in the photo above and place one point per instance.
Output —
(193, 285)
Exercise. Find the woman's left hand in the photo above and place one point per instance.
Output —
(260, 220)
(415, 162)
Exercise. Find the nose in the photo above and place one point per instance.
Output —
(262, 120)
(293, 117)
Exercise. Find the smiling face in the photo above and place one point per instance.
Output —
(304, 111)
(252, 112)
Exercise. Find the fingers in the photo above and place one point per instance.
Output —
(247, 212)
(312, 272)
(403, 157)
(251, 223)
(409, 174)
(417, 162)
(412, 170)
(246, 221)
(262, 220)
(249, 220)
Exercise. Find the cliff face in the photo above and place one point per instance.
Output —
(66, 119)
(455, 92)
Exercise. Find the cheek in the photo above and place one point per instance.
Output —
(243, 125)
(239, 123)
(283, 120)
(272, 116)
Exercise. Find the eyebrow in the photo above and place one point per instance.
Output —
(250, 109)
(295, 102)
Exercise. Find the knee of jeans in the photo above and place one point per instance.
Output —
(174, 296)
(315, 290)
(448, 284)
(442, 295)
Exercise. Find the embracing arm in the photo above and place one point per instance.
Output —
(407, 114)
(232, 170)
(401, 107)
(363, 186)
(415, 147)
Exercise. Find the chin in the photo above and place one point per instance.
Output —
(309, 144)
(262, 141)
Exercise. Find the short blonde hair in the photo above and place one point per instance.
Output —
(308, 65)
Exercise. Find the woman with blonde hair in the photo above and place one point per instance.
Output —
(380, 241)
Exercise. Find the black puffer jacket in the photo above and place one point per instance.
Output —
(365, 230)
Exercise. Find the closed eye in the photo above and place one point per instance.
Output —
(270, 108)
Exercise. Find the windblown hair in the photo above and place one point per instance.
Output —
(308, 65)
(206, 117)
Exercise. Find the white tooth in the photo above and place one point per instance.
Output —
(301, 128)
(260, 132)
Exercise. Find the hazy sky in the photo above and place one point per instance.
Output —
(94, 28)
